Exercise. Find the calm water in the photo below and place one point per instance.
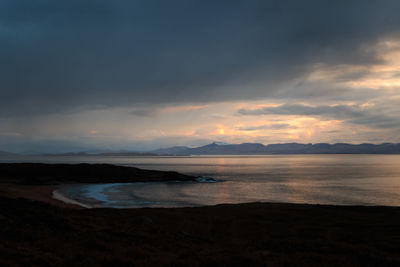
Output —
(321, 179)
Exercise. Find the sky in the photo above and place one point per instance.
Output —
(140, 75)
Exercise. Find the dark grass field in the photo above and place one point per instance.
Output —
(36, 233)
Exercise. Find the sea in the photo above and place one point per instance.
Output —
(312, 179)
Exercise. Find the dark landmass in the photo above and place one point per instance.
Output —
(36, 233)
(105, 154)
(52, 174)
(289, 148)
(130, 154)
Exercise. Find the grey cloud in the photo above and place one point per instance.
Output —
(378, 121)
(145, 112)
(371, 116)
(216, 116)
(323, 91)
(58, 55)
(275, 126)
(337, 111)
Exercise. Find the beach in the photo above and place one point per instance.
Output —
(42, 193)
(36, 229)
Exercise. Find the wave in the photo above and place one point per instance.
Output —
(203, 179)
(59, 196)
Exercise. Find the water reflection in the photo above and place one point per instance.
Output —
(323, 179)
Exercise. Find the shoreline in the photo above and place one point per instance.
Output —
(56, 194)
(41, 193)
(40, 181)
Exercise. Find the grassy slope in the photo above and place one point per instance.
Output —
(246, 234)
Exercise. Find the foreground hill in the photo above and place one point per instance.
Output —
(35, 233)
(289, 148)
(50, 174)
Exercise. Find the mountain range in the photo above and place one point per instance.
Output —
(217, 148)
(287, 148)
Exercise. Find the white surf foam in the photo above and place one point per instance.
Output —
(59, 196)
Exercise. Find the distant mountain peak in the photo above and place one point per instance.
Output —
(220, 143)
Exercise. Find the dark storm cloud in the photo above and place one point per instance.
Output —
(371, 116)
(57, 55)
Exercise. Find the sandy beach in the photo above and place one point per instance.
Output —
(43, 193)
